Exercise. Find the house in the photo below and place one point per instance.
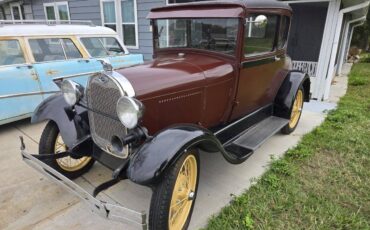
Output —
(320, 38)
(318, 43)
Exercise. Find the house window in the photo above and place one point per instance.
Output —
(129, 25)
(124, 22)
(109, 14)
(57, 11)
(16, 11)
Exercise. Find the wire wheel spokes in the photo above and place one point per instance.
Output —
(68, 163)
(183, 193)
(296, 110)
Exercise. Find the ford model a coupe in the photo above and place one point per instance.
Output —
(220, 82)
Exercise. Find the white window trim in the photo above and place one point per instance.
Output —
(17, 4)
(56, 11)
(119, 21)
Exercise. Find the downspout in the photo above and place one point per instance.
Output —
(330, 73)
(342, 51)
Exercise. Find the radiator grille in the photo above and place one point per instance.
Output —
(102, 96)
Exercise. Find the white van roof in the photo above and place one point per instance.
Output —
(18, 29)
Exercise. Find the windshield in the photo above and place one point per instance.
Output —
(102, 46)
(213, 34)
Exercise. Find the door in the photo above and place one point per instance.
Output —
(60, 57)
(20, 91)
(260, 64)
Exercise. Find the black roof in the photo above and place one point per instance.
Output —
(247, 4)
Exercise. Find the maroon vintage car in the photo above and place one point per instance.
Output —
(220, 82)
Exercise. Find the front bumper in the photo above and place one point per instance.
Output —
(103, 209)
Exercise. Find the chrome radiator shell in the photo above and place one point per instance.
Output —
(102, 94)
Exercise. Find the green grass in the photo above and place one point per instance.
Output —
(323, 183)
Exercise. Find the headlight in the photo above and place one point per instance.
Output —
(129, 111)
(72, 91)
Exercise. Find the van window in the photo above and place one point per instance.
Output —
(103, 46)
(260, 33)
(11, 53)
(53, 49)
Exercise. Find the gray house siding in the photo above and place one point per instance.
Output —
(5, 13)
(78, 10)
(145, 35)
(90, 10)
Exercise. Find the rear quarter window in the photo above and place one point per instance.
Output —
(11, 53)
(260, 34)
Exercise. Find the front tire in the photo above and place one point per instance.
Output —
(51, 142)
(173, 198)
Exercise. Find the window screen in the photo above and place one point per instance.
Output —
(11, 53)
(260, 33)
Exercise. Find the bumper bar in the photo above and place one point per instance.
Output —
(106, 210)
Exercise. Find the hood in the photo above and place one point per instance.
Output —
(172, 74)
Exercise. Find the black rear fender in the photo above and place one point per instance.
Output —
(288, 90)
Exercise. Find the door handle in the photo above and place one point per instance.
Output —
(84, 60)
(25, 66)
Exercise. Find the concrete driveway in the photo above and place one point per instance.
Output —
(30, 201)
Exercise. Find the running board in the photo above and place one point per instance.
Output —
(244, 145)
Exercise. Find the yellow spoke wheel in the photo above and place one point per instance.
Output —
(51, 142)
(174, 194)
(68, 163)
(183, 193)
(296, 110)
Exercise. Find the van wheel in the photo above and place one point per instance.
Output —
(173, 198)
(51, 142)
(296, 112)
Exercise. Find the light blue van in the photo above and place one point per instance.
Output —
(33, 55)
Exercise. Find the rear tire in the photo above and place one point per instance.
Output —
(50, 139)
(295, 114)
(174, 196)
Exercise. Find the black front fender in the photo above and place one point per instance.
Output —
(287, 92)
(72, 124)
(158, 153)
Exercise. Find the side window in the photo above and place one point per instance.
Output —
(260, 34)
(53, 49)
(104, 46)
(284, 30)
(71, 50)
(11, 53)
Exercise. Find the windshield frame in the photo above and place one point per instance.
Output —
(158, 50)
